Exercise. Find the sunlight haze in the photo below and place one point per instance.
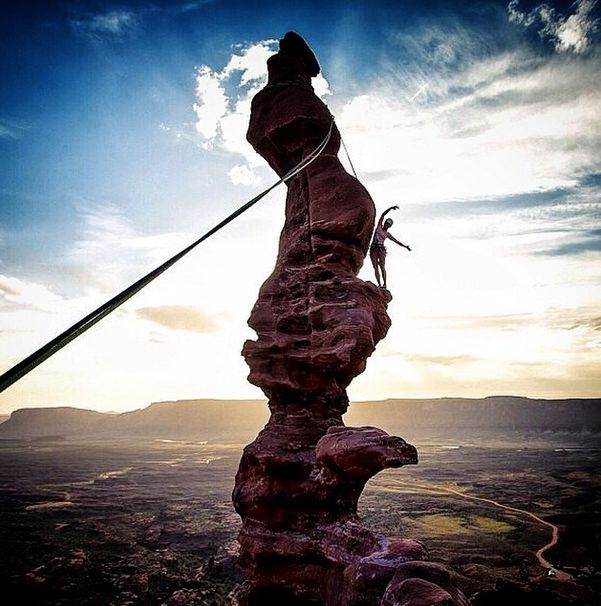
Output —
(122, 139)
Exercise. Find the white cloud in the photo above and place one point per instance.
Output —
(113, 24)
(11, 129)
(568, 33)
(31, 314)
(212, 103)
(21, 293)
(321, 86)
(251, 63)
(120, 23)
(575, 32)
(243, 175)
(111, 252)
(430, 49)
(187, 7)
(534, 127)
(223, 100)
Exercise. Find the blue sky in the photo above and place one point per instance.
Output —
(122, 138)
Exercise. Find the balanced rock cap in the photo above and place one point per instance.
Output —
(294, 44)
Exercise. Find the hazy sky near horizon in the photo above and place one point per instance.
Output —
(122, 138)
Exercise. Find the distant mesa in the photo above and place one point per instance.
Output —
(176, 419)
(239, 419)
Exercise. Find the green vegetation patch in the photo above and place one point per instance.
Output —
(490, 524)
(442, 524)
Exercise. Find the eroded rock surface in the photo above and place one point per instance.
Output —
(316, 322)
(299, 482)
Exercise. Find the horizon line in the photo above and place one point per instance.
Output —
(265, 400)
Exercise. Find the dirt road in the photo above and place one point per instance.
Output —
(445, 490)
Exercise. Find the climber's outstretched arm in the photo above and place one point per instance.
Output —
(381, 220)
(391, 237)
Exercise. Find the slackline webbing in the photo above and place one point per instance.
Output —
(56, 344)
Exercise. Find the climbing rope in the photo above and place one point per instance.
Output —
(28, 364)
(348, 156)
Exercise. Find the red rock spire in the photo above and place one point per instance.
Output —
(299, 482)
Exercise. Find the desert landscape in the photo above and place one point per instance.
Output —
(100, 518)
(424, 181)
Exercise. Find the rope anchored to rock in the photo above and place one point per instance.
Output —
(46, 351)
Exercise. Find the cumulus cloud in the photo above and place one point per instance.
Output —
(568, 33)
(212, 103)
(179, 317)
(321, 86)
(223, 99)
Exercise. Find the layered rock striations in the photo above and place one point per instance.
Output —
(299, 482)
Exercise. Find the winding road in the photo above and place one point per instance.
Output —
(436, 488)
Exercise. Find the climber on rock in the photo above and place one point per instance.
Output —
(377, 250)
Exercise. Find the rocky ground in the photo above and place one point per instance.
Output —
(151, 522)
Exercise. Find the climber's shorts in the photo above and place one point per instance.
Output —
(377, 253)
